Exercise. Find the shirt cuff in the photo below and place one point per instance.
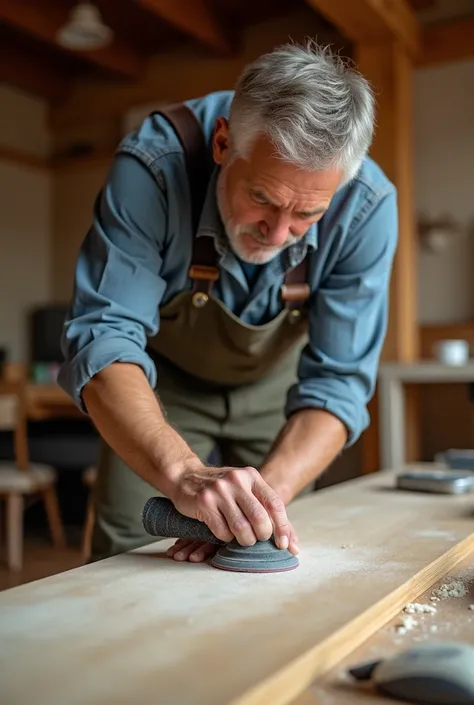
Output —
(354, 417)
(74, 374)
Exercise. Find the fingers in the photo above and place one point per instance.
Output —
(182, 549)
(194, 551)
(209, 512)
(277, 512)
(293, 546)
(203, 552)
(226, 496)
(251, 508)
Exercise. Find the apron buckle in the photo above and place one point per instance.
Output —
(203, 277)
(293, 293)
(294, 296)
(198, 271)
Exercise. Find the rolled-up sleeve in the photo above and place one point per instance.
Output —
(348, 323)
(117, 283)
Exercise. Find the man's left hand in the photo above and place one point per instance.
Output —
(189, 550)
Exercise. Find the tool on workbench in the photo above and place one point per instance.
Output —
(161, 518)
(439, 673)
(442, 481)
(456, 458)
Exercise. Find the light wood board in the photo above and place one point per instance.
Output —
(453, 621)
(142, 627)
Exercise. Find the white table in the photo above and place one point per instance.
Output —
(391, 384)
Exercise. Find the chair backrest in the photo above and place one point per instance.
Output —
(13, 418)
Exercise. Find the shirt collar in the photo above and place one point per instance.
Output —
(211, 225)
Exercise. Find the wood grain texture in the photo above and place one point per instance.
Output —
(453, 621)
(139, 626)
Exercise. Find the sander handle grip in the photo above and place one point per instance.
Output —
(161, 518)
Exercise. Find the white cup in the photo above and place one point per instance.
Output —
(452, 352)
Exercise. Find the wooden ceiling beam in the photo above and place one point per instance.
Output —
(27, 73)
(193, 17)
(420, 5)
(371, 21)
(41, 21)
(447, 41)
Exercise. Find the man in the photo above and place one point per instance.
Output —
(233, 294)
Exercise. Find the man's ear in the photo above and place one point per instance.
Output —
(221, 141)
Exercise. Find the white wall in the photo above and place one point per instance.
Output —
(444, 184)
(25, 219)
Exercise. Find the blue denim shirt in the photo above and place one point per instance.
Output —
(137, 252)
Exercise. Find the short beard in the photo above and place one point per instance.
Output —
(236, 232)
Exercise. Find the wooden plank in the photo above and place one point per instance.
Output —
(453, 621)
(141, 626)
(370, 21)
(447, 41)
(41, 20)
(194, 17)
(419, 5)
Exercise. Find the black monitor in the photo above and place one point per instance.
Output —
(45, 330)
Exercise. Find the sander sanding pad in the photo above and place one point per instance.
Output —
(262, 557)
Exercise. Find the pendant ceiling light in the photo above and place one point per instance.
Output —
(84, 29)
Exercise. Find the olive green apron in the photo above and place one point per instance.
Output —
(201, 337)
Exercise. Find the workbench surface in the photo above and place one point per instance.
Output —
(453, 621)
(142, 627)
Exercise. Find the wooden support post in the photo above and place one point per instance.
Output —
(389, 67)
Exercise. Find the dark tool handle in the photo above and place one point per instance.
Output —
(161, 518)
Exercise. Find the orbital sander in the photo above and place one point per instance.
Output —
(161, 518)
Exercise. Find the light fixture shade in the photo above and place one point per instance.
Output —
(85, 29)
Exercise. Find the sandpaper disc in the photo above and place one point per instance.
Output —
(262, 557)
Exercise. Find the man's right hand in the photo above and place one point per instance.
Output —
(232, 502)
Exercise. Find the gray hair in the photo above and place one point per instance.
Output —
(316, 109)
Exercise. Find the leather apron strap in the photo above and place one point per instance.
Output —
(204, 270)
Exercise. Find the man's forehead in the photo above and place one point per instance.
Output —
(307, 189)
(265, 170)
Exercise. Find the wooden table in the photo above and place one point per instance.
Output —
(391, 385)
(141, 627)
(453, 621)
(44, 401)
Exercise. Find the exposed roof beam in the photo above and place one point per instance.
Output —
(194, 17)
(42, 20)
(367, 21)
(447, 41)
(26, 72)
(419, 5)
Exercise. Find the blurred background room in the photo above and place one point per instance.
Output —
(75, 77)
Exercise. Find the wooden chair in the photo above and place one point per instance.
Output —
(20, 478)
